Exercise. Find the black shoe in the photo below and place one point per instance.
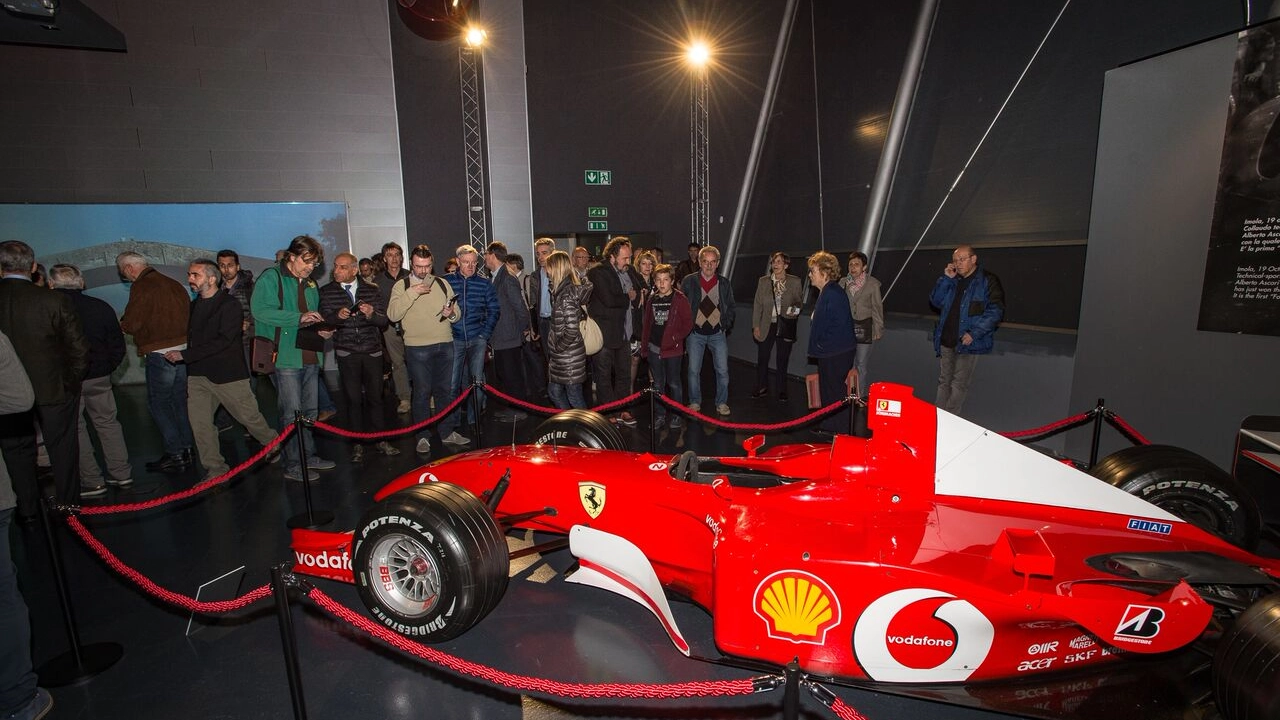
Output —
(166, 458)
(782, 396)
(760, 393)
(176, 462)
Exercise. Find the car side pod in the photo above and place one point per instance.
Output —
(1132, 621)
(613, 563)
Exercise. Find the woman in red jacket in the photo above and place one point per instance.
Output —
(667, 322)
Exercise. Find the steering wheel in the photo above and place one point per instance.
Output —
(687, 466)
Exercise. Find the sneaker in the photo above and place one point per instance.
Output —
(39, 706)
(456, 439)
(676, 422)
(760, 393)
(211, 474)
(295, 474)
(388, 449)
(273, 457)
(120, 483)
(424, 446)
(627, 419)
(357, 454)
(88, 491)
(404, 407)
(722, 409)
(324, 415)
(696, 407)
(659, 422)
(319, 463)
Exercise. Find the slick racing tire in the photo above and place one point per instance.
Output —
(430, 561)
(1187, 485)
(1246, 666)
(579, 428)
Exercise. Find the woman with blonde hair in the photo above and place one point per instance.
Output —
(642, 267)
(566, 353)
(831, 340)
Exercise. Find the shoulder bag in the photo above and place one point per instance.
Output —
(263, 352)
(592, 338)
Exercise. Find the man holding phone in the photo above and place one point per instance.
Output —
(970, 302)
(355, 309)
(425, 307)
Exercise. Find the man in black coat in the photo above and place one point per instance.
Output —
(97, 396)
(47, 336)
(356, 308)
(216, 373)
(610, 306)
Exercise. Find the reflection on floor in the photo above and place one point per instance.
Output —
(232, 667)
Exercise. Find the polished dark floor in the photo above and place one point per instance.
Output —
(233, 667)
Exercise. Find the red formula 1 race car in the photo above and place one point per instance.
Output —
(934, 552)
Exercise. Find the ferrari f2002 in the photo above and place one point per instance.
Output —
(933, 552)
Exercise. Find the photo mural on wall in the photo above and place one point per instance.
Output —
(170, 236)
(1241, 292)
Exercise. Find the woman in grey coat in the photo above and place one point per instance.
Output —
(567, 355)
(866, 305)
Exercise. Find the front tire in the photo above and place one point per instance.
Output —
(1246, 666)
(430, 561)
(1187, 485)
(579, 428)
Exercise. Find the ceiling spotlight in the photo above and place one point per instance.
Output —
(698, 53)
(475, 36)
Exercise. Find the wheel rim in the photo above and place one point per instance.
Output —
(405, 576)
(1197, 514)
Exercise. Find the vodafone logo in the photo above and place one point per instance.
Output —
(330, 560)
(921, 635)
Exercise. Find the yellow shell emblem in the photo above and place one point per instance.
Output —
(797, 606)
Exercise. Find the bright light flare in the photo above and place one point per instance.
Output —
(698, 54)
(476, 37)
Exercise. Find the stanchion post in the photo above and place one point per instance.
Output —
(284, 615)
(1099, 413)
(475, 411)
(311, 518)
(653, 418)
(82, 662)
(791, 691)
(853, 414)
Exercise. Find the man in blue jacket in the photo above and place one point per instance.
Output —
(970, 301)
(478, 308)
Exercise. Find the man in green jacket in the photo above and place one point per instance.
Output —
(286, 301)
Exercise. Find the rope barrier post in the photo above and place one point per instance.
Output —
(82, 662)
(653, 418)
(791, 691)
(312, 518)
(476, 384)
(280, 581)
(1098, 415)
(852, 401)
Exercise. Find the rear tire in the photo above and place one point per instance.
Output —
(580, 428)
(1246, 666)
(1187, 485)
(430, 561)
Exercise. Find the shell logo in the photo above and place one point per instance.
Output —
(796, 606)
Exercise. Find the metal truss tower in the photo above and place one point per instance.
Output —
(699, 159)
(473, 147)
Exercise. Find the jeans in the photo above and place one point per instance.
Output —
(468, 367)
(566, 396)
(956, 370)
(763, 349)
(296, 393)
(698, 344)
(431, 371)
(17, 681)
(666, 380)
(167, 400)
(863, 354)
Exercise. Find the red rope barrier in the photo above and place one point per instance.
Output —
(406, 430)
(517, 402)
(1050, 428)
(168, 596)
(194, 489)
(1128, 430)
(759, 427)
(525, 683)
(845, 712)
(616, 404)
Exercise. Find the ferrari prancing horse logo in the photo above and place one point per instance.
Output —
(592, 496)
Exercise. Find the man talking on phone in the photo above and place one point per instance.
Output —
(970, 302)
(426, 309)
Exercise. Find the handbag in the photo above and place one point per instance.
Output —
(862, 331)
(787, 322)
(592, 338)
(263, 352)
